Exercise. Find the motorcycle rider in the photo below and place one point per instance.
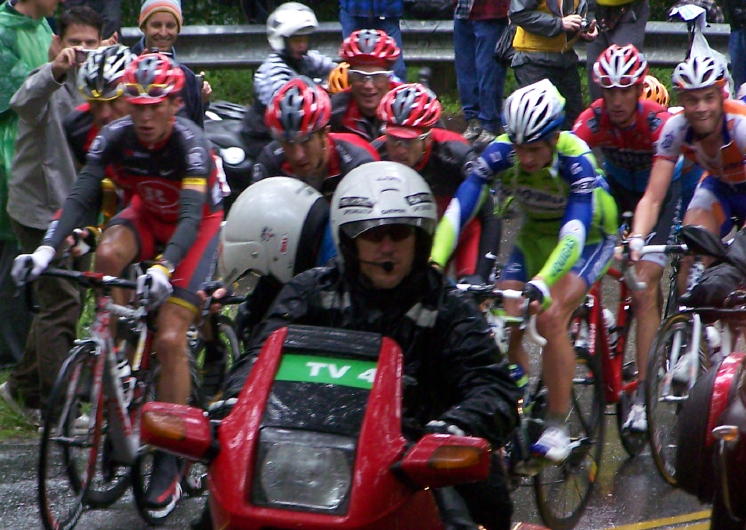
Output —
(410, 113)
(288, 30)
(383, 216)
(298, 118)
(371, 54)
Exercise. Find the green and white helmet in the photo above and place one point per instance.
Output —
(533, 112)
(275, 227)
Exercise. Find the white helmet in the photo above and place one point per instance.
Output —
(382, 193)
(699, 72)
(533, 111)
(290, 18)
(275, 228)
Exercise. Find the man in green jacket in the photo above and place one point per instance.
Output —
(25, 37)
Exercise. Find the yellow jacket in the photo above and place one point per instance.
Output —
(525, 41)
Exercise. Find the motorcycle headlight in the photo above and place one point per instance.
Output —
(233, 155)
(303, 470)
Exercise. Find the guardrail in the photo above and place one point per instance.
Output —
(425, 42)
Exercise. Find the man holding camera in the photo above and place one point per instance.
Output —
(545, 34)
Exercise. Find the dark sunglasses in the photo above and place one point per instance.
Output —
(394, 232)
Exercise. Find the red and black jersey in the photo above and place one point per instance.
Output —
(80, 131)
(346, 152)
(347, 118)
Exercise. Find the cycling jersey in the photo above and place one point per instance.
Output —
(80, 131)
(569, 197)
(156, 176)
(346, 152)
(347, 118)
(728, 166)
(277, 69)
(628, 152)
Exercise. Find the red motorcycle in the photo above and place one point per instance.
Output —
(315, 440)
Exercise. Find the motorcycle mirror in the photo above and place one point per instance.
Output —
(179, 429)
(439, 460)
(700, 241)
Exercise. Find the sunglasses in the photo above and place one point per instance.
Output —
(394, 232)
(625, 81)
(109, 92)
(153, 90)
(361, 77)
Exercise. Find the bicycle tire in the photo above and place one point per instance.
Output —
(563, 490)
(65, 451)
(662, 414)
(226, 333)
(632, 442)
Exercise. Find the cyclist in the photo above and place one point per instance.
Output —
(566, 241)
(164, 160)
(279, 229)
(383, 216)
(289, 28)
(410, 114)
(625, 128)
(298, 118)
(711, 131)
(371, 54)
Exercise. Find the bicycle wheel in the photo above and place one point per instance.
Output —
(633, 442)
(664, 396)
(142, 471)
(75, 470)
(562, 491)
(212, 364)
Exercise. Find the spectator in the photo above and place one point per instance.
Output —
(545, 34)
(375, 14)
(43, 173)
(370, 54)
(25, 36)
(736, 10)
(619, 22)
(110, 10)
(477, 26)
(160, 21)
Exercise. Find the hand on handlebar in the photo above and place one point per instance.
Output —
(538, 295)
(158, 280)
(443, 427)
(28, 267)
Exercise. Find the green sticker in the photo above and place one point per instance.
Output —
(327, 370)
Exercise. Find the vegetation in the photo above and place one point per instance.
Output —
(11, 424)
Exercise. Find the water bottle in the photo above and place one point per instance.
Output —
(124, 373)
(610, 323)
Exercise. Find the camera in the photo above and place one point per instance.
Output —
(81, 55)
(585, 25)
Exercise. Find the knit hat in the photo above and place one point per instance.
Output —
(153, 6)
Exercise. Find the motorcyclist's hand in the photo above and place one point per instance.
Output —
(83, 240)
(213, 291)
(443, 427)
(28, 267)
(537, 293)
(159, 280)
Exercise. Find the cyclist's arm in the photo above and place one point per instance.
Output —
(577, 219)
(649, 207)
(469, 197)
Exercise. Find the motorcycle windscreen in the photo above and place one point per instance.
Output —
(311, 424)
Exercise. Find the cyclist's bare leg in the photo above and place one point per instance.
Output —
(647, 307)
(170, 344)
(116, 250)
(712, 222)
(558, 357)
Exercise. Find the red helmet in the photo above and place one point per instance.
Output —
(369, 46)
(298, 109)
(620, 66)
(409, 109)
(151, 78)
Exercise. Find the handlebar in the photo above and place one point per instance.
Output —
(91, 279)
(489, 292)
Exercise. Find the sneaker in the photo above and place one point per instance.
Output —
(483, 140)
(31, 416)
(473, 129)
(164, 488)
(554, 445)
(80, 425)
(681, 369)
(637, 419)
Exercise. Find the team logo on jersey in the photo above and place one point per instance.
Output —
(97, 146)
(654, 121)
(196, 157)
(667, 141)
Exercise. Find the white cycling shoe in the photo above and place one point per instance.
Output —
(554, 445)
(637, 419)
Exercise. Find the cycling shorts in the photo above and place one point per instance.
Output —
(668, 218)
(724, 201)
(532, 251)
(152, 235)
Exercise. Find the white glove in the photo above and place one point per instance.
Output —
(160, 284)
(441, 427)
(28, 267)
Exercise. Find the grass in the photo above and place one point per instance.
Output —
(12, 426)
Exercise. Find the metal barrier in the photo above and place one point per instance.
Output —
(425, 42)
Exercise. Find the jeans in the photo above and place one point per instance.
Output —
(390, 25)
(15, 318)
(566, 79)
(737, 55)
(479, 77)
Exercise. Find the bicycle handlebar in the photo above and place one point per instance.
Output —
(91, 279)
